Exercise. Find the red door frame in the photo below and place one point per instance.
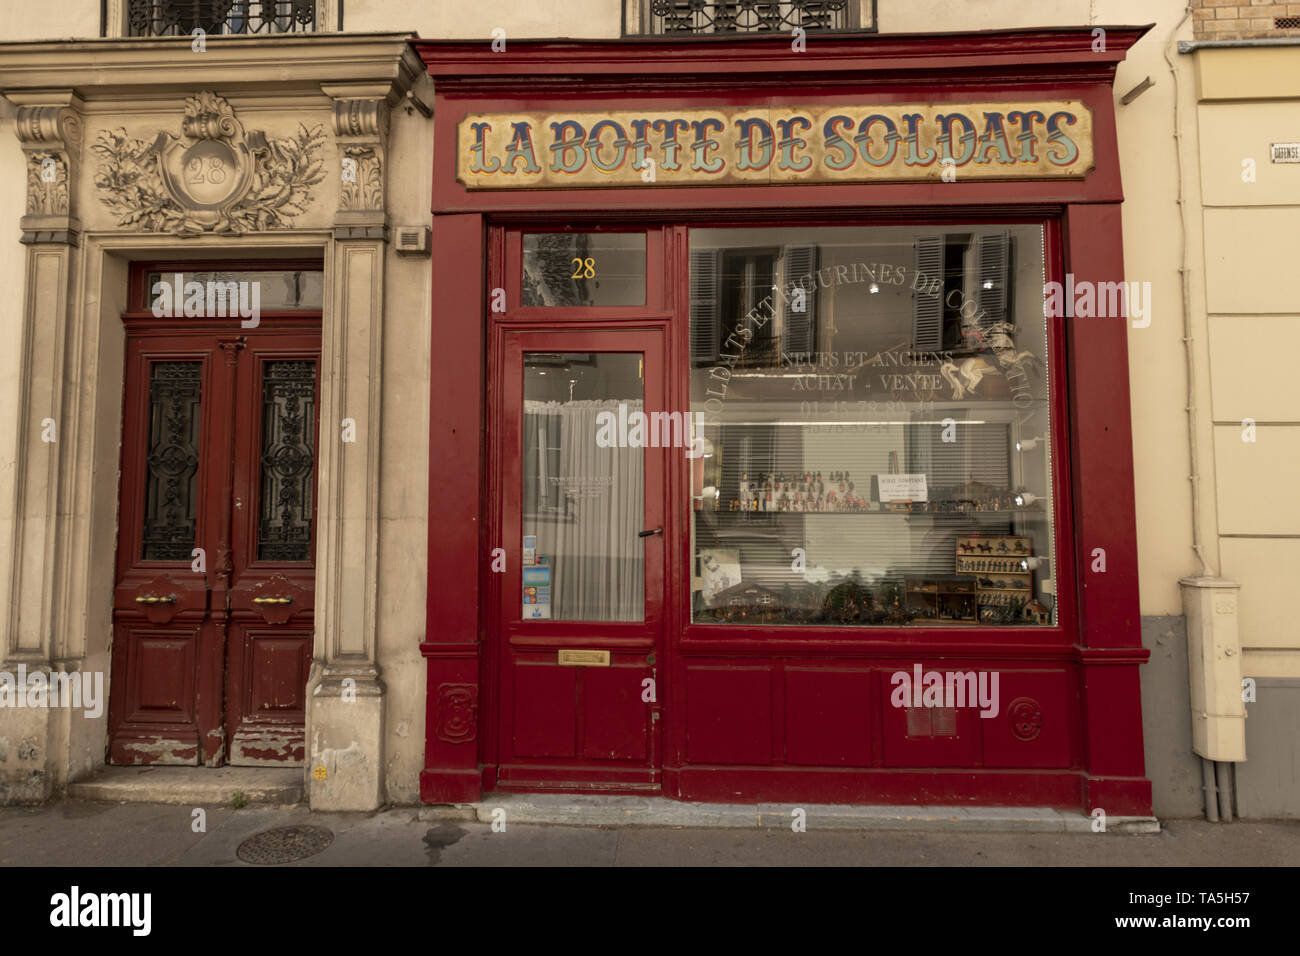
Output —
(1096, 655)
(629, 644)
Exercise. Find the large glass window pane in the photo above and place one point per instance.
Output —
(584, 268)
(583, 501)
(876, 414)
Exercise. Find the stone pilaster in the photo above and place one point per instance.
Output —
(37, 635)
(345, 720)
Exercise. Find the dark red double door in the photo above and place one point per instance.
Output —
(213, 603)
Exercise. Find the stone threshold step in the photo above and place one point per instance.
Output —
(637, 811)
(193, 786)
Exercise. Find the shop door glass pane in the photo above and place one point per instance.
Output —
(583, 495)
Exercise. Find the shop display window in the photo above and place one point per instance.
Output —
(876, 427)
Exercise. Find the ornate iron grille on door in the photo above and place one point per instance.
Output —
(288, 422)
(171, 488)
(158, 18)
(751, 16)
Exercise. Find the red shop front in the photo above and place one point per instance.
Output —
(763, 465)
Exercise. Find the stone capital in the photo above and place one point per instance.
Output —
(361, 122)
(49, 130)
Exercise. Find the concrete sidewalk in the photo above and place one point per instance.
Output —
(88, 833)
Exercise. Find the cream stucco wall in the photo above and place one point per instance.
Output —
(1248, 99)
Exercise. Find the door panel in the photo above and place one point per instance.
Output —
(272, 552)
(213, 604)
(166, 650)
(582, 600)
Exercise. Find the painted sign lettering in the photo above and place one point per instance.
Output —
(818, 144)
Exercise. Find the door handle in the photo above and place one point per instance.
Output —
(646, 534)
(156, 599)
(273, 600)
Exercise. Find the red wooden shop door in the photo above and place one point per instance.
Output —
(213, 603)
(580, 633)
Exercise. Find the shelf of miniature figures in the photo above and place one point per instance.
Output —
(980, 589)
(914, 513)
(986, 565)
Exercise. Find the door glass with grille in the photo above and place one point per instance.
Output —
(172, 465)
(877, 421)
(287, 455)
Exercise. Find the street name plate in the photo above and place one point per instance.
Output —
(1286, 152)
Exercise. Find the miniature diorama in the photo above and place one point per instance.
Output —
(999, 567)
(943, 600)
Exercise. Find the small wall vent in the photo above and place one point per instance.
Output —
(412, 240)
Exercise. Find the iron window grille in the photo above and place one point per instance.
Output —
(700, 17)
(162, 18)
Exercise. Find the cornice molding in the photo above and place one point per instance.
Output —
(707, 62)
(119, 69)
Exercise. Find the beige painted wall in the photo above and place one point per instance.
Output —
(1250, 99)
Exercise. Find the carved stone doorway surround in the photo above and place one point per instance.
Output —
(56, 562)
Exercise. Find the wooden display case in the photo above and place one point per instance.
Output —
(948, 600)
(996, 565)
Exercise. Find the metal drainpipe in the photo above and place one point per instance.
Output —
(1217, 776)
(1211, 796)
(1224, 773)
(1184, 271)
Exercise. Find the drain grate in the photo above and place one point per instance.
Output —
(284, 845)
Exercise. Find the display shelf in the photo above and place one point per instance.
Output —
(995, 513)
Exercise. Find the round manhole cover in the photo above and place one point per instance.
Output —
(284, 845)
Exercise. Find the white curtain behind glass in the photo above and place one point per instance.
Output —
(585, 504)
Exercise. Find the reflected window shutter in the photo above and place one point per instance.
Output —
(992, 289)
(927, 309)
(706, 307)
(800, 327)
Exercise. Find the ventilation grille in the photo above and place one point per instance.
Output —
(412, 240)
(1286, 23)
(931, 721)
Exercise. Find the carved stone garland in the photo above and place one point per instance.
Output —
(216, 177)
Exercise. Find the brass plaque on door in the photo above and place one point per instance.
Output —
(576, 658)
